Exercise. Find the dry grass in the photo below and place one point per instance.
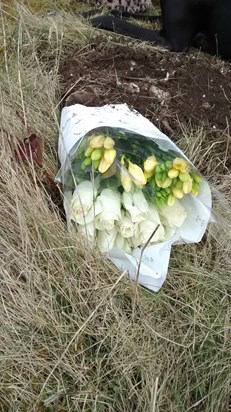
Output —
(75, 335)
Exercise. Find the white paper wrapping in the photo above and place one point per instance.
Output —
(76, 121)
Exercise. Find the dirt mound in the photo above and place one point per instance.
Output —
(169, 89)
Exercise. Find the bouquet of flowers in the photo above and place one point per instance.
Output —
(128, 191)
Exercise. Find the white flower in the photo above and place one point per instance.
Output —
(140, 201)
(126, 226)
(122, 243)
(109, 202)
(82, 202)
(136, 205)
(88, 230)
(173, 216)
(106, 239)
(145, 229)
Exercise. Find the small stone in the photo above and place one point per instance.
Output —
(206, 105)
(158, 93)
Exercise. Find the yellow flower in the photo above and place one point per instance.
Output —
(97, 142)
(88, 151)
(148, 174)
(187, 186)
(110, 172)
(166, 183)
(177, 193)
(172, 173)
(96, 154)
(184, 177)
(196, 178)
(137, 174)
(158, 182)
(109, 143)
(150, 164)
(96, 164)
(86, 163)
(104, 165)
(126, 180)
(171, 200)
(180, 164)
(109, 155)
(195, 189)
(194, 192)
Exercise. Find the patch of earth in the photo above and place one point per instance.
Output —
(165, 87)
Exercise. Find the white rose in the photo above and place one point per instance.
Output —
(173, 216)
(82, 202)
(140, 201)
(109, 202)
(145, 229)
(122, 243)
(131, 202)
(88, 230)
(106, 239)
(126, 226)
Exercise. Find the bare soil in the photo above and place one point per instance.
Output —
(170, 89)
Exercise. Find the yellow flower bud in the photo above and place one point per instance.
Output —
(196, 177)
(126, 180)
(109, 143)
(148, 174)
(137, 174)
(110, 172)
(96, 164)
(179, 184)
(196, 186)
(88, 151)
(195, 192)
(166, 183)
(177, 193)
(152, 182)
(150, 164)
(184, 177)
(86, 163)
(104, 165)
(109, 155)
(195, 189)
(158, 183)
(96, 154)
(97, 142)
(180, 164)
(187, 186)
(171, 200)
(172, 173)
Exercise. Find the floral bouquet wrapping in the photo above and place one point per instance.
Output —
(129, 189)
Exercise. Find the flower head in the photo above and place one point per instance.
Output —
(109, 143)
(106, 239)
(150, 164)
(82, 202)
(104, 165)
(137, 174)
(126, 226)
(126, 180)
(109, 155)
(180, 164)
(110, 205)
(173, 216)
(97, 142)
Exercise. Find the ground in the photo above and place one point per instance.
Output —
(188, 90)
(76, 335)
(198, 89)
